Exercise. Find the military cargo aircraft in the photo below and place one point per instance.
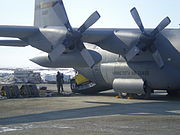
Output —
(131, 61)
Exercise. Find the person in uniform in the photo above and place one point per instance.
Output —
(59, 81)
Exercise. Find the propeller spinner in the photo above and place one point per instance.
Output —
(73, 38)
(146, 40)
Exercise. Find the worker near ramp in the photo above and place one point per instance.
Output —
(60, 81)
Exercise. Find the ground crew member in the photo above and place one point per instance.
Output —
(60, 80)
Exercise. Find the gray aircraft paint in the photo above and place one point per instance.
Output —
(114, 66)
(49, 31)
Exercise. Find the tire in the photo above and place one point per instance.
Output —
(73, 85)
(123, 95)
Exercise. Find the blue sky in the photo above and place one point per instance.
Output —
(114, 14)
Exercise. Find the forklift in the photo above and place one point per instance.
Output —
(80, 84)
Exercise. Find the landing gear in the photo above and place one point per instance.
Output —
(132, 95)
(145, 93)
(122, 95)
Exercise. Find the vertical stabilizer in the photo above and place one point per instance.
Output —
(46, 13)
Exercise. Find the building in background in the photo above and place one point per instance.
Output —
(25, 75)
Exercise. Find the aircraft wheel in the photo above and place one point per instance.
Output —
(139, 95)
(132, 96)
(73, 84)
(123, 95)
(146, 95)
(128, 95)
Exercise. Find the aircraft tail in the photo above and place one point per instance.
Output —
(46, 13)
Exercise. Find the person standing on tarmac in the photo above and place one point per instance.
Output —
(60, 80)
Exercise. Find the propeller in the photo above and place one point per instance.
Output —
(56, 52)
(73, 37)
(146, 40)
(137, 19)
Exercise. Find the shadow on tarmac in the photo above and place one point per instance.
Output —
(163, 108)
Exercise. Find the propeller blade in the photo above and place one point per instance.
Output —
(56, 53)
(89, 22)
(158, 59)
(133, 52)
(165, 22)
(61, 13)
(137, 19)
(87, 57)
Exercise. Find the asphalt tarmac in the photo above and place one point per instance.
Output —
(101, 114)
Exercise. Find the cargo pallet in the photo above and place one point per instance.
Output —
(25, 91)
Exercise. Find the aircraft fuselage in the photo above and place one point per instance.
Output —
(113, 65)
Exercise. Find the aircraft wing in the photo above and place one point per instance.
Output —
(17, 31)
(30, 35)
(107, 39)
(13, 43)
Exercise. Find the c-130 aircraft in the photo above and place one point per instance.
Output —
(131, 61)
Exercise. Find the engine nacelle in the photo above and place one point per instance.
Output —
(129, 85)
